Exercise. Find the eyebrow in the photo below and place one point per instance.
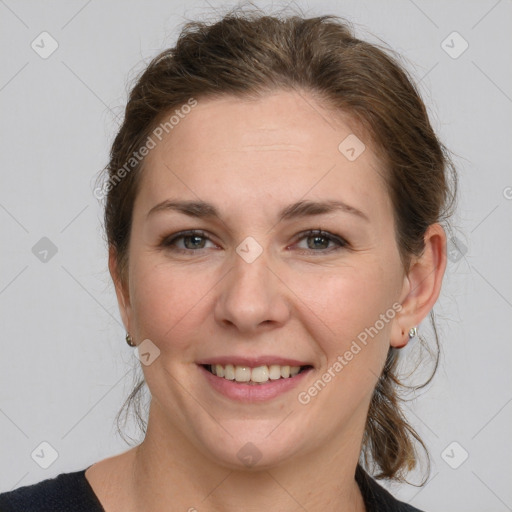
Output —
(305, 208)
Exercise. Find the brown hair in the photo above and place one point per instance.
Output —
(250, 53)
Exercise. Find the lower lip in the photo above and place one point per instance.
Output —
(253, 392)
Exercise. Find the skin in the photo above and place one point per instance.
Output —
(250, 159)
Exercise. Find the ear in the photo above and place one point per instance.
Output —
(123, 298)
(422, 285)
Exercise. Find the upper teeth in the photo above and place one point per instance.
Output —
(258, 374)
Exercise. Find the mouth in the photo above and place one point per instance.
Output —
(258, 375)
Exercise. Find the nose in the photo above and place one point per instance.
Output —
(252, 297)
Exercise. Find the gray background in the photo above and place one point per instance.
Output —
(65, 368)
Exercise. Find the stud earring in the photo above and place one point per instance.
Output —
(413, 331)
(129, 340)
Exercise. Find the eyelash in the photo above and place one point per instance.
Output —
(169, 242)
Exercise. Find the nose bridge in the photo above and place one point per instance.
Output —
(251, 295)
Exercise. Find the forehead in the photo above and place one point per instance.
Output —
(288, 118)
(282, 144)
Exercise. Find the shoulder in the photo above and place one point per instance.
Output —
(377, 498)
(65, 492)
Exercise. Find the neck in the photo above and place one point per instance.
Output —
(169, 470)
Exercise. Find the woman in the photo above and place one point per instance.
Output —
(273, 210)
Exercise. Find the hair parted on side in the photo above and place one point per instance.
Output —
(248, 53)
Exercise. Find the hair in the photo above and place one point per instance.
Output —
(249, 54)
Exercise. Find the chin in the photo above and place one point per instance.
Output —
(251, 453)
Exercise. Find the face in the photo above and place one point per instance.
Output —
(260, 276)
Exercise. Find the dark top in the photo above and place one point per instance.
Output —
(71, 492)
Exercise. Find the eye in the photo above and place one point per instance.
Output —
(321, 241)
(317, 241)
(186, 241)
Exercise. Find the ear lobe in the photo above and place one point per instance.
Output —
(422, 285)
(398, 339)
(123, 298)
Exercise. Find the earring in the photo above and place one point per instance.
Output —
(129, 340)
(413, 331)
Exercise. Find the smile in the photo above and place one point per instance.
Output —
(258, 375)
(252, 384)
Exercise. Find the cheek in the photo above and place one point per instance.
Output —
(355, 310)
(166, 302)
(353, 303)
